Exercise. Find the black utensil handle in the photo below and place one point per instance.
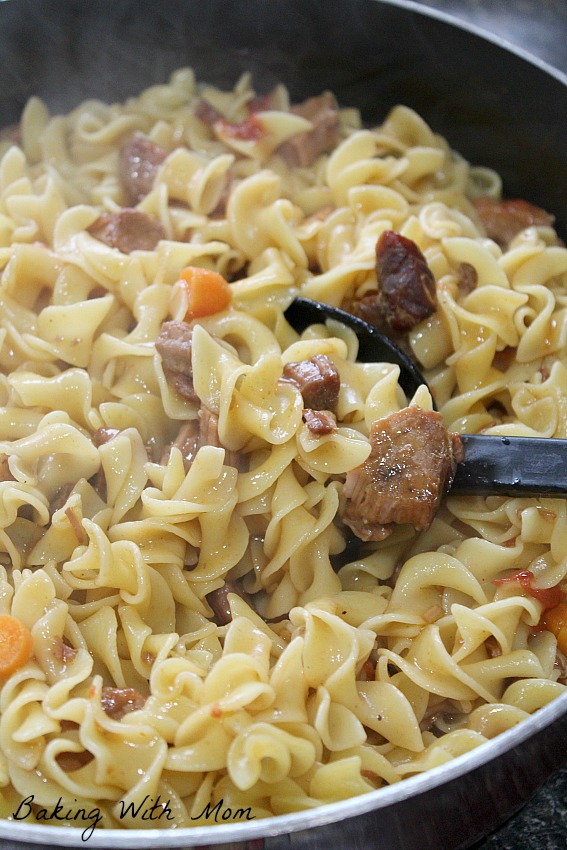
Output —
(511, 466)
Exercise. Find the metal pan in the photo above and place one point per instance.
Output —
(498, 108)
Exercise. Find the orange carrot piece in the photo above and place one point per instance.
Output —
(16, 644)
(562, 640)
(555, 621)
(208, 292)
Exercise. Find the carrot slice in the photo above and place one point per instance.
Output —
(555, 621)
(16, 644)
(207, 290)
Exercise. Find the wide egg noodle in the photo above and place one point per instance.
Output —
(332, 677)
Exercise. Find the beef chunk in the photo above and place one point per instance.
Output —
(60, 497)
(186, 442)
(5, 474)
(104, 435)
(174, 344)
(116, 702)
(209, 436)
(207, 113)
(218, 600)
(406, 284)
(128, 230)
(199, 432)
(317, 380)
(503, 220)
(304, 148)
(63, 652)
(319, 422)
(467, 278)
(406, 291)
(139, 164)
(70, 761)
(11, 133)
(503, 359)
(369, 309)
(410, 468)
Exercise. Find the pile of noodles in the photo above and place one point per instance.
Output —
(381, 668)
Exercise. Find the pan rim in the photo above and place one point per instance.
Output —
(328, 813)
(479, 31)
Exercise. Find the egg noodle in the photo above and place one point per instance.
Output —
(331, 679)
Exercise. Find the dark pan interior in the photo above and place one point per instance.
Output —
(496, 108)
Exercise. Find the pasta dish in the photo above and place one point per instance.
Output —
(233, 580)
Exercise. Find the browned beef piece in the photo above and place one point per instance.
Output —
(11, 133)
(186, 442)
(116, 702)
(174, 344)
(128, 230)
(104, 435)
(218, 600)
(467, 278)
(139, 163)
(304, 148)
(504, 359)
(199, 432)
(5, 474)
(319, 422)
(410, 468)
(406, 293)
(317, 380)
(209, 436)
(63, 652)
(60, 497)
(369, 309)
(69, 761)
(503, 220)
(262, 102)
(208, 428)
(207, 113)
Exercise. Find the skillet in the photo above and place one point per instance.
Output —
(497, 107)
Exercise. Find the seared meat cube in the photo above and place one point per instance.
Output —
(407, 286)
(186, 441)
(410, 468)
(209, 436)
(317, 380)
(319, 422)
(139, 164)
(104, 435)
(174, 344)
(203, 431)
(11, 133)
(5, 474)
(304, 148)
(207, 113)
(218, 600)
(116, 702)
(503, 220)
(128, 230)
(467, 278)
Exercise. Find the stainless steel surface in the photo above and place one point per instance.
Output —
(456, 804)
